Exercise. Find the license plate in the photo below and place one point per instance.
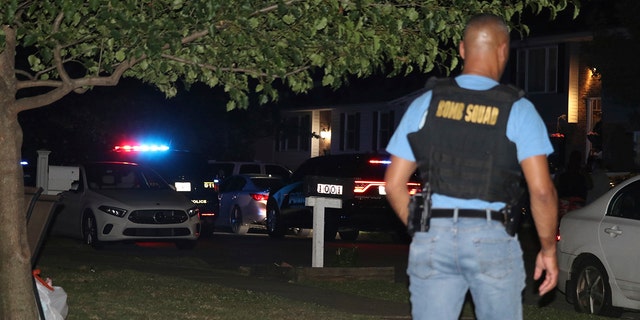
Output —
(329, 188)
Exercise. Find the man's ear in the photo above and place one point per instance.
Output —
(461, 49)
(504, 52)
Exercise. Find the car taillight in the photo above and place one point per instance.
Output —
(362, 186)
(413, 188)
(259, 196)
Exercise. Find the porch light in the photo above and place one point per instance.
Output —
(325, 134)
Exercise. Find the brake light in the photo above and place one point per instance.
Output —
(414, 188)
(363, 186)
(259, 196)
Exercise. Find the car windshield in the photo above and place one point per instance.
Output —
(267, 183)
(123, 176)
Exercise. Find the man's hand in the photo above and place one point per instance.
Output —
(547, 263)
(544, 209)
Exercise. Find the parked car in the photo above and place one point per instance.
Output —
(367, 210)
(186, 171)
(243, 201)
(597, 253)
(119, 201)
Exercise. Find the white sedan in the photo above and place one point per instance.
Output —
(599, 252)
(118, 201)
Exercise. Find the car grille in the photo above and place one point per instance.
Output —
(156, 232)
(158, 216)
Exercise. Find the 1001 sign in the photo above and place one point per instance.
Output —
(324, 188)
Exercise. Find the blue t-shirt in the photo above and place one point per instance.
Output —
(524, 127)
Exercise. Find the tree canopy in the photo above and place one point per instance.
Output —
(79, 44)
(241, 46)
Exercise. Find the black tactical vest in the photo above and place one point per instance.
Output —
(463, 150)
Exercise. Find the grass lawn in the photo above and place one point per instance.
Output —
(108, 286)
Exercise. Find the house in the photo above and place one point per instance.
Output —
(566, 91)
(356, 128)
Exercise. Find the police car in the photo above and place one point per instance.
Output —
(365, 209)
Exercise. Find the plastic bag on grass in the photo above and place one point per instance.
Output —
(53, 299)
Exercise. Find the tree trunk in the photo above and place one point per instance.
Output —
(17, 299)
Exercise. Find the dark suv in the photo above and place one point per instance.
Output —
(366, 210)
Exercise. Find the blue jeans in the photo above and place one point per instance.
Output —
(460, 255)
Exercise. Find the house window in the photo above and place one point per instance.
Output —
(538, 69)
(383, 126)
(350, 131)
(295, 134)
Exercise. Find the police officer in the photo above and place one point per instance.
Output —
(471, 138)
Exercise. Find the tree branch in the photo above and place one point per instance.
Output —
(214, 68)
(57, 58)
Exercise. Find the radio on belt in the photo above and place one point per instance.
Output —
(328, 187)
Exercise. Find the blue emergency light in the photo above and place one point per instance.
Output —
(141, 148)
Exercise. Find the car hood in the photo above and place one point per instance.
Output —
(146, 198)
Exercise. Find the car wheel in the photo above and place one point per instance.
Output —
(592, 290)
(349, 235)
(235, 222)
(90, 231)
(275, 229)
(186, 244)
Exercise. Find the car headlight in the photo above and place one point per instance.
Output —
(193, 211)
(113, 211)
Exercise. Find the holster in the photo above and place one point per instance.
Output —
(419, 213)
(512, 219)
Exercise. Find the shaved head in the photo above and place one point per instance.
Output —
(485, 46)
(486, 28)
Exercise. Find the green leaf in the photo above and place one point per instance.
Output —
(328, 80)
(254, 23)
(321, 23)
(288, 19)
(120, 55)
(34, 62)
(231, 105)
(412, 14)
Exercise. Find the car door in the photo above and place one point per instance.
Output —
(68, 220)
(228, 194)
(619, 234)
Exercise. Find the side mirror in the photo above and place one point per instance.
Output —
(75, 185)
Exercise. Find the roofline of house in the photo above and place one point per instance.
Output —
(553, 39)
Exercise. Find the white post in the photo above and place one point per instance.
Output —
(318, 204)
(42, 174)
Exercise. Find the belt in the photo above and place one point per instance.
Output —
(467, 213)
